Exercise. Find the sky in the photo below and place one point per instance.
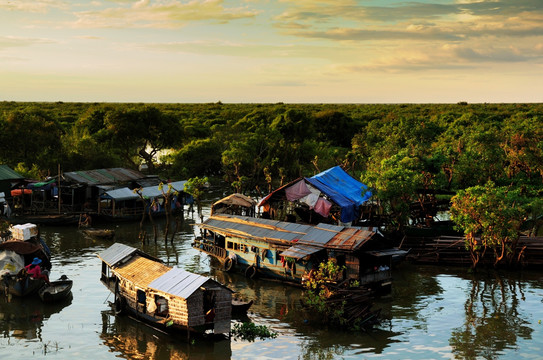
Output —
(265, 51)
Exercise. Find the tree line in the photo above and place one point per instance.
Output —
(412, 155)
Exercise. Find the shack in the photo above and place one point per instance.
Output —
(332, 196)
(129, 204)
(167, 298)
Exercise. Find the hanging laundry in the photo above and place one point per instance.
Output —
(297, 191)
(323, 207)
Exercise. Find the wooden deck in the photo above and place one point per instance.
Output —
(451, 250)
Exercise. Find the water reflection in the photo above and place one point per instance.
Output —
(133, 340)
(493, 322)
(23, 318)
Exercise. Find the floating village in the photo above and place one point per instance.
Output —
(287, 236)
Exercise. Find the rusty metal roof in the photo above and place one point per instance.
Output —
(322, 235)
(255, 228)
(350, 239)
(104, 176)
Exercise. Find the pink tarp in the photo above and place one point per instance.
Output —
(323, 207)
(297, 191)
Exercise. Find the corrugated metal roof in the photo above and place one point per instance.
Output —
(104, 176)
(321, 235)
(121, 194)
(179, 185)
(350, 239)
(300, 251)
(254, 228)
(6, 173)
(178, 282)
(115, 253)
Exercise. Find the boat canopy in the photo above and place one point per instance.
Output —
(121, 194)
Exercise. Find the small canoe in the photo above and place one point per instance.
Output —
(100, 233)
(56, 290)
(240, 307)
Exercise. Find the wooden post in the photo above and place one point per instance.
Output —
(59, 204)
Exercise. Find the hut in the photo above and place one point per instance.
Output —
(168, 298)
(332, 196)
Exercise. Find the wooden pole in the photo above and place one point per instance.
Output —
(59, 204)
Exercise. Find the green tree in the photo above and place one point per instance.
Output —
(491, 218)
(195, 187)
(31, 137)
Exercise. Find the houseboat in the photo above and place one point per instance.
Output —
(20, 249)
(167, 298)
(290, 251)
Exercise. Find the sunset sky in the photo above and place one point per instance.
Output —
(265, 51)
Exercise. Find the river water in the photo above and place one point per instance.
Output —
(432, 313)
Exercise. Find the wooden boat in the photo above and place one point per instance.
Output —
(15, 253)
(168, 298)
(56, 290)
(240, 307)
(100, 233)
(20, 284)
(46, 219)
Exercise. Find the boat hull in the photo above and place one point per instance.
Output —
(56, 291)
(20, 286)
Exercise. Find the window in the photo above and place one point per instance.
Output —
(161, 306)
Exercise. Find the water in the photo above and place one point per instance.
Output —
(432, 313)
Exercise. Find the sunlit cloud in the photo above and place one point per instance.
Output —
(161, 14)
(17, 42)
(33, 6)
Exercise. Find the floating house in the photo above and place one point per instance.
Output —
(129, 204)
(168, 298)
(290, 251)
(235, 204)
(332, 196)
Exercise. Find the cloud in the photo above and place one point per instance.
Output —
(33, 6)
(161, 14)
(247, 50)
(17, 42)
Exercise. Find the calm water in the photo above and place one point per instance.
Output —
(432, 313)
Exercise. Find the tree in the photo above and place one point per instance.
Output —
(195, 187)
(491, 218)
(141, 132)
(30, 136)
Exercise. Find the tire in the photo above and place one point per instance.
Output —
(228, 264)
(120, 305)
(251, 272)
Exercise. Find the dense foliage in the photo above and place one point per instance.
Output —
(408, 153)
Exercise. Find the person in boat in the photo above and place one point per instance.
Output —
(86, 220)
(34, 270)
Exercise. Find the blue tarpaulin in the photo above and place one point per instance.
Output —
(343, 189)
